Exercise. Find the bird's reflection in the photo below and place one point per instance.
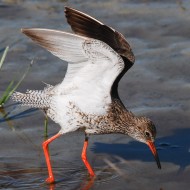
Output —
(86, 184)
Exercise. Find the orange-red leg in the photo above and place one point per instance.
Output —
(45, 144)
(84, 158)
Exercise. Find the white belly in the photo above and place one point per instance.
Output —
(69, 111)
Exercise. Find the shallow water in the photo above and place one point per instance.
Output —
(157, 86)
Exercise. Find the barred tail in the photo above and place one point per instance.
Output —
(32, 98)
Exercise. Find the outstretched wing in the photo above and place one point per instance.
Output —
(93, 65)
(88, 26)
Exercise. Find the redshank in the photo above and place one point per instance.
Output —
(98, 56)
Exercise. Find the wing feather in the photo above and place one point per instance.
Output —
(61, 44)
(85, 25)
(92, 69)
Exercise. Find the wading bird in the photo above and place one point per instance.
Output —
(98, 56)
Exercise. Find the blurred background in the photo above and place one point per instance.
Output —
(157, 86)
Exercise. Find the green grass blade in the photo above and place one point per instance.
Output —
(22, 78)
(9, 91)
(46, 127)
(6, 93)
(3, 56)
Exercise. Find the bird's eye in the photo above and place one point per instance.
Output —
(147, 134)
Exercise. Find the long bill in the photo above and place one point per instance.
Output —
(154, 152)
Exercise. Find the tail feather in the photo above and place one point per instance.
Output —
(32, 98)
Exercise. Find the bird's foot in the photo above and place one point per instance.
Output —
(92, 174)
(50, 180)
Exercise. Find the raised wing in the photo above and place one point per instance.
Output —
(93, 65)
(88, 26)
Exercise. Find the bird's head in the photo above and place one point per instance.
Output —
(144, 130)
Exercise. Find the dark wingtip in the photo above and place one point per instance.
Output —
(69, 9)
(33, 33)
(25, 30)
(66, 9)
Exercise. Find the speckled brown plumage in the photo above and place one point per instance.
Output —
(117, 120)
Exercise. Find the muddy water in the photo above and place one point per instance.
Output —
(158, 86)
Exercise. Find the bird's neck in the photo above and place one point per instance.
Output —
(121, 120)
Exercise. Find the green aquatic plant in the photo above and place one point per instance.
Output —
(9, 91)
(6, 95)
(3, 56)
(46, 127)
(12, 85)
